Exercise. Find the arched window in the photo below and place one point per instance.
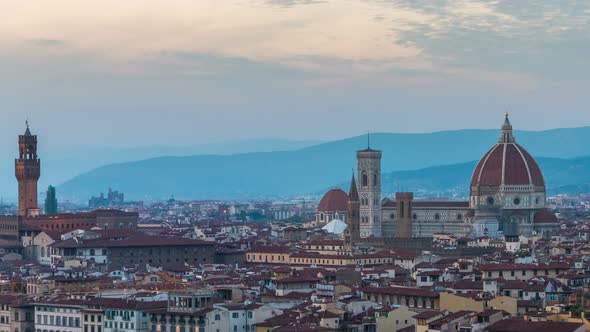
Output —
(42, 251)
(365, 180)
(375, 179)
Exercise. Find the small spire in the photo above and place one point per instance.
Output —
(353, 194)
(506, 136)
(28, 131)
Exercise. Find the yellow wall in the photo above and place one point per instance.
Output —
(455, 303)
(506, 303)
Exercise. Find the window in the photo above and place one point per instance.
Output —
(365, 180)
(250, 315)
(235, 315)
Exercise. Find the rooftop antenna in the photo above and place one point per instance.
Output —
(368, 139)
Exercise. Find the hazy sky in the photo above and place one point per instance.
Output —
(173, 72)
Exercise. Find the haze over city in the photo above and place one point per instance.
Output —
(294, 165)
(96, 79)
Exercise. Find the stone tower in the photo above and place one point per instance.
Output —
(50, 201)
(27, 171)
(404, 215)
(369, 175)
(352, 233)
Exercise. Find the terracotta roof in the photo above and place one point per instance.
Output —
(334, 200)
(399, 290)
(511, 267)
(507, 164)
(137, 240)
(518, 325)
(427, 314)
(544, 217)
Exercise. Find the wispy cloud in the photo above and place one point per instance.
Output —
(46, 42)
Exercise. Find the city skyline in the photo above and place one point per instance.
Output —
(294, 165)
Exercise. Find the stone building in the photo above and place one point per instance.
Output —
(333, 206)
(117, 251)
(507, 188)
(27, 169)
(369, 191)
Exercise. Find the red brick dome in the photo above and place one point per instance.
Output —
(334, 200)
(507, 163)
(544, 217)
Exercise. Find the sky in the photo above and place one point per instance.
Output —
(111, 73)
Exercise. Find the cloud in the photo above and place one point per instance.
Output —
(546, 40)
(291, 3)
(45, 42)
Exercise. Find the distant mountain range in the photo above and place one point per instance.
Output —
(59, 165)
(561, 175)
(313, 169)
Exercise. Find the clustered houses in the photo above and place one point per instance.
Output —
(205, 266)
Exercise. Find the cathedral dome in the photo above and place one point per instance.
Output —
(334, 200)
(507, 164)
(544, 217)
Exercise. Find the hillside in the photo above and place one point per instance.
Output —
(315, 168)
(561, 175)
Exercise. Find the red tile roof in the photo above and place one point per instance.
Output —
(518, 325)
(399, 290)
(544, 217)
(507, 164)
(334, 200)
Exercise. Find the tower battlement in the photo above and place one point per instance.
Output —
(27, 170)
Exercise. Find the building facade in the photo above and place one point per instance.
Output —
(507, 188)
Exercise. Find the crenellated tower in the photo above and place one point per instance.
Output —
(27, 170)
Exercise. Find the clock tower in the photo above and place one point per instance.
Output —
(27, 171)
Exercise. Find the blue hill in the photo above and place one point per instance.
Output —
(317, 167)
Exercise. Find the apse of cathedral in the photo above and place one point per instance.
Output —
(507, 194)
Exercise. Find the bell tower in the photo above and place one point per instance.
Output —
(404, 214)
(369, 175)
(27, 169)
